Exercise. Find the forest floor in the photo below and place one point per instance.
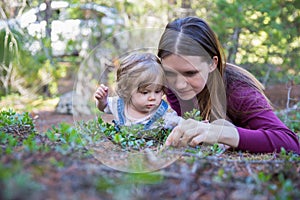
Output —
(196, 174)
(72, 172)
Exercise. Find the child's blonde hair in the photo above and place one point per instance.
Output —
(137, 71)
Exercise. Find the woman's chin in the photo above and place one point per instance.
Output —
(186, 96)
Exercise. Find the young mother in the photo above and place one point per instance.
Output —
(229, 97)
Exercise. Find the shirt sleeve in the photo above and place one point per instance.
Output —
(260, 130)
(171, 119)
(112, 106)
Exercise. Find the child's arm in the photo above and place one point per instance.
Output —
(171, 119)
(101, 95)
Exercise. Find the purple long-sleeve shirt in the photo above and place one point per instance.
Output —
(260, 130)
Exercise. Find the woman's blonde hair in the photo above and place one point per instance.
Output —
(137, 71)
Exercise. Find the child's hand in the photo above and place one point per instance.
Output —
(101, 95)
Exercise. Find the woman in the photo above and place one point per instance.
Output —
(227, 96)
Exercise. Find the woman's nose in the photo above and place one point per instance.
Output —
(180, 82)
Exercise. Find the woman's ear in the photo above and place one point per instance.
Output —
(214, 64)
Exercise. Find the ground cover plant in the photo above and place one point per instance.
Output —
(136, 138)
(57, 164)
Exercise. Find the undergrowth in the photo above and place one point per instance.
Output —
(27, 154)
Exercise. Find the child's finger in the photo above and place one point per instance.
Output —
(104, 87)
(100, 94)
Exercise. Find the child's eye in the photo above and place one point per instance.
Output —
(158, 91)
(144, 92)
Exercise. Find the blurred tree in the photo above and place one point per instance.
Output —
(20, 69)
(9, 44)
(262, 36)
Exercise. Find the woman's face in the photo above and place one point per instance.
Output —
(186, 75)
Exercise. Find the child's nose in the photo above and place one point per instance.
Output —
(151, 96)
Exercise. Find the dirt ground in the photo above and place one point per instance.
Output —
(76, 175)
(45, 120)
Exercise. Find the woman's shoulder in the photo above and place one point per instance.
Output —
(243, 97)
(239, 88)
(241, 83)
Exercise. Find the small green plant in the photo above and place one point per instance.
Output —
(216, 149)
(65, 138)
(137, 138)
(285, 188)
(16, 129)
(10, 121)
(291, 118)
(193, 114)
(205, 150)
(294, 121)
(16, 183)
(263, 177)
(134, 137)
(288, 156)
(124, 187)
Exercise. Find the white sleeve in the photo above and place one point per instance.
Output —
(112, 106)
(108, 106)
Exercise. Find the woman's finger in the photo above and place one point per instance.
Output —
(174, 137)
(189, 134)
(196, 140)
(191, 129)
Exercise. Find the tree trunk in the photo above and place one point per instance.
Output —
(48, 15)
(233, 50)
(186, 8)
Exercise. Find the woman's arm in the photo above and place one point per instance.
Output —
(259, 129)
(266, 133)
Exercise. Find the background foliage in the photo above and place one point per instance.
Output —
(261, 36)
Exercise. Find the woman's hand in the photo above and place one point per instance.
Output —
(192, 132)
(188, 132)
(101, 95)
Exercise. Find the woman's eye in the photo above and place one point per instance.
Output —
(190, 73)
(170, 74)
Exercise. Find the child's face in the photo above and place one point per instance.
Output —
(147, 99)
